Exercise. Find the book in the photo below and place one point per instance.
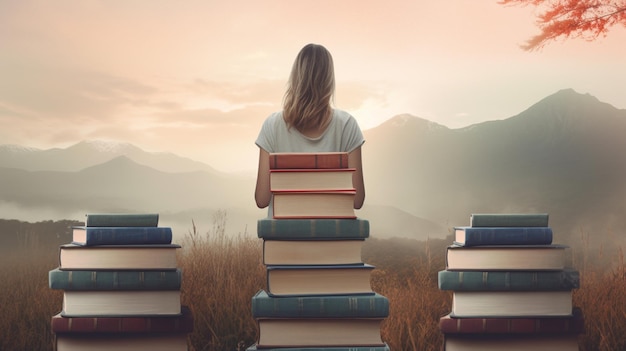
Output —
(114, 280)
(118, 257)
(476, 236)
(135, 324)
(506, 257)
(304, 160)
(313, 204)
(337, 306)
(319, 280)
(121, 219)
(320, 332)
(507, 325)
(309, 229)
(311, 179)
(90, 236)
(385, 347)
(120, 303)
(511, 303)
(312, 252)
(566, 279)
(123, 342)
(564, 342)
(509, 220)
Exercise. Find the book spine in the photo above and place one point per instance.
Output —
(121, 219)
(509, 220)
(538, 325)
(127, 235)
(308, 160)
(331, 348)
(361, 306)
(114, 280)
(307, 229)
(508, 280)
(177, 324)
(475, 236)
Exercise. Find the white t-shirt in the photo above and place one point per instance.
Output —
(342, 135)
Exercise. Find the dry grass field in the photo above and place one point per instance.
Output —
(221, 272)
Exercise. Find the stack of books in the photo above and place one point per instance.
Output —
(121, 287)
(511, 287)
(318, 294)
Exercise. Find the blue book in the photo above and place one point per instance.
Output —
(115, 279)
(566, 279)
(312, 229)
(478, 236)
(90, 236)
(335, 306)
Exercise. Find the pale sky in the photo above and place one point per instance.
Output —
(197, 78)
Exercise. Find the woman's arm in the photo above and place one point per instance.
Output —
(262, 193)
(354, 161)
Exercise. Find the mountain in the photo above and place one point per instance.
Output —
(91, 153)
(562, 155)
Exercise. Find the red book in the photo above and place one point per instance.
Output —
(174, 324)
(304, 160)
(511, 325)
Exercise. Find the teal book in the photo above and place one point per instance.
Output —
(509, 220)
(91, 236)
(311, 229)
(337, 306)
(121, 219)
(114, 280)
(566, 279)
(476, 236)
(347, 348)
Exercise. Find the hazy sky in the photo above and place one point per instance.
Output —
(198, 78)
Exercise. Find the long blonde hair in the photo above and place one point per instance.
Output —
(310, 88)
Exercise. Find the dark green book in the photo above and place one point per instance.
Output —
(121, 219)
(349, 348)
(308, 229)
(566, 279)
(114, 280)
(509, 220)
(338, 306)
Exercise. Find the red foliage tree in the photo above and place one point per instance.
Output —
(585, 19)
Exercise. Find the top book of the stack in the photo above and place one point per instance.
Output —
(121, 219)
(509, 220)
(304, 160)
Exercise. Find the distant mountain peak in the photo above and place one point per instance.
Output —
(569, 93)
(107, 146)
(411, 122)
(18, 149)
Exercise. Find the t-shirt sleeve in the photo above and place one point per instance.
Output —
(267, 136)
(352, 136)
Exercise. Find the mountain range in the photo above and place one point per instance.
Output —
(562, 155)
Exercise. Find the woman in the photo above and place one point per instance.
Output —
(308, 123)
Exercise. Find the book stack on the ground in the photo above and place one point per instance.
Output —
(121, 286)
(318, 294)
(511, 287)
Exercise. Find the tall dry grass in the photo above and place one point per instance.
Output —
(222, 271)
(26, 301)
